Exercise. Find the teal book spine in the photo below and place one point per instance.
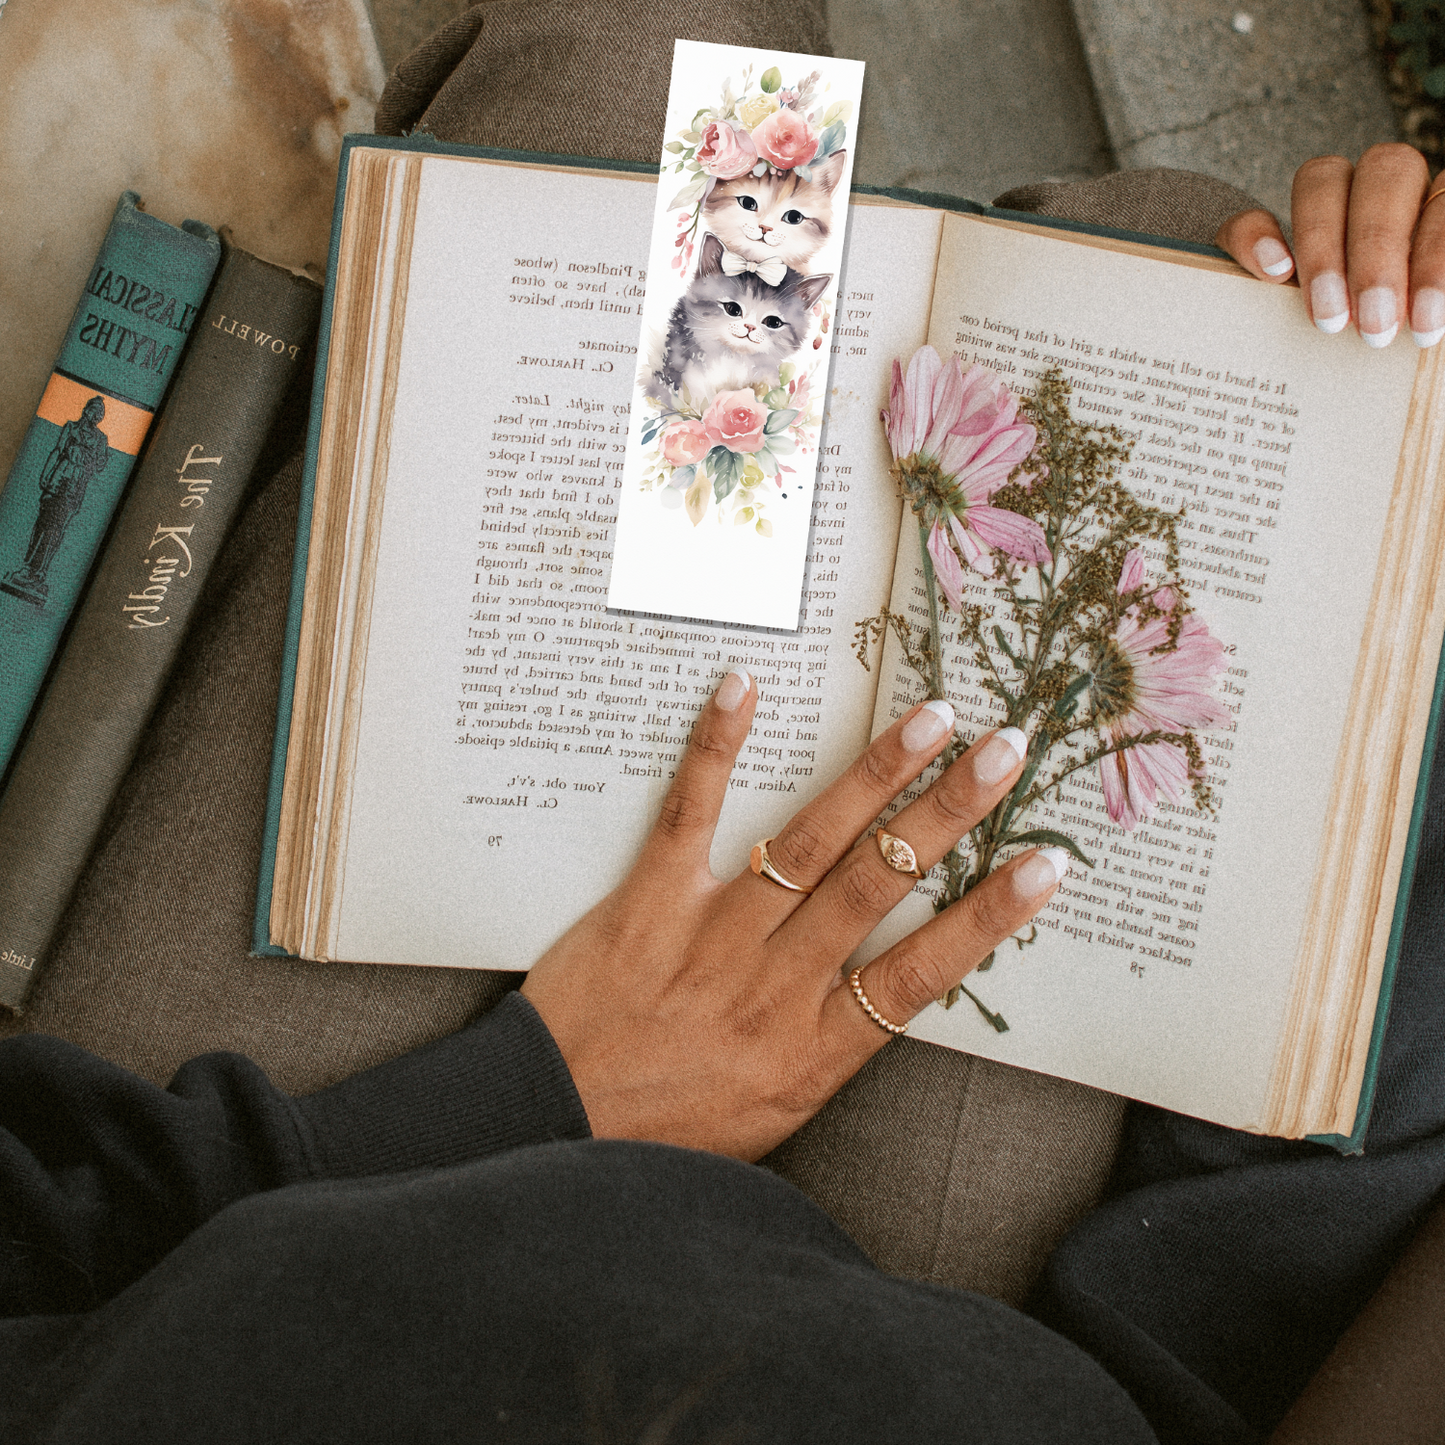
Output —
(122, 347)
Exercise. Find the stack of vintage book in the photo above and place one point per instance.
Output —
(174, 368)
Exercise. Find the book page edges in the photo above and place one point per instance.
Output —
(335, 455)
(1330, 1028)
(262, 944)
(331, 354)
(333, 878)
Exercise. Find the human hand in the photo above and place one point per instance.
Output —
(714, 1014)
(1369, 244)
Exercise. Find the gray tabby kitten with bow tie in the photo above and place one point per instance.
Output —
(734, 326)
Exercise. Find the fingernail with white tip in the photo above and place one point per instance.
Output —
(1378, 321)
(1038, 874)
(1273, 258)
(999, 756)
(1330, 302)
(931, 723)
(734, 688)
(1427, 317)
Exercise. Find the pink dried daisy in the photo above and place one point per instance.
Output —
(1145, 683)
(955, 437)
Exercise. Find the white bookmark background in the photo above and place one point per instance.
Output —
(717, 485)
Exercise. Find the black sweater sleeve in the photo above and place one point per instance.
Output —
(102, 1173)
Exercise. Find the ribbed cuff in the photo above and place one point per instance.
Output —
(499, 1084)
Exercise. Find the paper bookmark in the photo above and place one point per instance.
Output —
(747, 244)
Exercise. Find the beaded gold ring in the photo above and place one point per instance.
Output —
(855, 982)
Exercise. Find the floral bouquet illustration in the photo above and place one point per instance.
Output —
(1102, 666)
(730, 386)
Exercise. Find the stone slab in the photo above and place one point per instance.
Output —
(970, 99)
(230, 111)
(1237, 90)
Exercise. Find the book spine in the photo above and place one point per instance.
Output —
(120, 351)
(254, 333)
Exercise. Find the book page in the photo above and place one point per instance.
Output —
(515, 737)
(1164, 972)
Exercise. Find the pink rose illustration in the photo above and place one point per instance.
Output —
(786, 140)
(726, 151)
(735, 420)
(685, 444)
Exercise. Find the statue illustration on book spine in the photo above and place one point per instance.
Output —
(80, 453)
(735, 382)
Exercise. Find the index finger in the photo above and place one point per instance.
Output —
(1385, 197)
(682, 835)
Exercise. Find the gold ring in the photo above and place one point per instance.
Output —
(855, 982)
(898, 855)
(762, 865)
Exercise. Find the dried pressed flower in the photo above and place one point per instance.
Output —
(1147, 682)
(956, 437)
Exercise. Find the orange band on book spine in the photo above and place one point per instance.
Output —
(125, 425)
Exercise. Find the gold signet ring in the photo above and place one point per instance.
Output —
(898, 855)
(762, 865)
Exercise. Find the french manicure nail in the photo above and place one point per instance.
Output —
(1038, 874)
(1427, 319)
(933, 721)
(999, 756)
(1273, 259)
(1330, 302)
(1378, 322)
(735, 687)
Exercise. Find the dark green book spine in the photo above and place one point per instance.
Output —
(254, 333)
(124, 342)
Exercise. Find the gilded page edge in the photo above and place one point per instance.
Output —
(1310, 1073)
(334, 878)
(296, 824)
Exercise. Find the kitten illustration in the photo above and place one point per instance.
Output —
(730, 332)
(757, 217)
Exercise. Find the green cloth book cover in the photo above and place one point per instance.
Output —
(122, 347)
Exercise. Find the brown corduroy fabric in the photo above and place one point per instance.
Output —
(943, 1166)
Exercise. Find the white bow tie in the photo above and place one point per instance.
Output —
(770, 271)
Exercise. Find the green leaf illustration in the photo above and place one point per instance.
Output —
(683, 477)
(839, 110)
(689, 195)
(830, 140)
(764, 527)
(780, 420)
(696, 500)
(745, 514)
(673, 147)
(786, 372)
(727, 473)
(771, 80)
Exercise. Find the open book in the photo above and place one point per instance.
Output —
(472, 747)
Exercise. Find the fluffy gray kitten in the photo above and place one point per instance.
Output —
(728, 333)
